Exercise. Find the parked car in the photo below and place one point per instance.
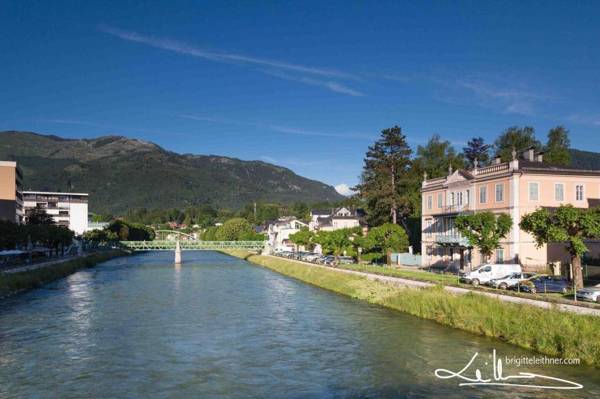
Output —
(511, 280)
(312, 257)
(589, 293)
(490, 271)
(545, 284)
(346, 260)
(328, 260)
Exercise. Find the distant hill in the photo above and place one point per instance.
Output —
(121, 173)
(585, 159)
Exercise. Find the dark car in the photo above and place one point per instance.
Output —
(545, 284)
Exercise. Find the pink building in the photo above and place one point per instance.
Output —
(517, 187)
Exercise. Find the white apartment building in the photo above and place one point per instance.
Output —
(335, 219)
(279, 233)
(67, 209)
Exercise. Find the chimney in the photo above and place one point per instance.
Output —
(539, 157)
(529, 154)
(498, 160)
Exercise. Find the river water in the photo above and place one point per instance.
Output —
(219, 327)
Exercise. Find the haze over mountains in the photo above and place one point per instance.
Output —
(121, 173)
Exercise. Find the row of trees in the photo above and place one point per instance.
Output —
(120, 230)
(567, 225)
(51, 236)
(236, 229)
(206, 215)
(390, 183)
(377, 244)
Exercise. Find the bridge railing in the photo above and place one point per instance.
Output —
(192, 245)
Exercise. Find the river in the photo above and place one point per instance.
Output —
(219, 327)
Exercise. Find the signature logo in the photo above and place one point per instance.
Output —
(499, 379)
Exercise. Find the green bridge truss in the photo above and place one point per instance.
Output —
(192, 245)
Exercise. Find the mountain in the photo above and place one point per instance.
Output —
(585, 159)
(121, 173)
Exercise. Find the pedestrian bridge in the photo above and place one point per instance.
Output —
(192, 245)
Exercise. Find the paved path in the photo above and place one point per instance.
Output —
(406, 283)
(40, 265)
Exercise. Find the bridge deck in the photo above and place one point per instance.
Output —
(190, 245)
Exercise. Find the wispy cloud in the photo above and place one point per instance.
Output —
(277, 128)
(501, 95)
(510, 100)
(589, 119)
(328, 84)
(232, 58)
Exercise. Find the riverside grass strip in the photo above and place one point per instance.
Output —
(13, 283)
(547, 331)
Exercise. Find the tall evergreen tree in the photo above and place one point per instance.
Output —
(436, 156)
(476, 149)
(518, 138)
(387, 164)
(557, 147)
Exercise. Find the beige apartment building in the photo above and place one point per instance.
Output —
(517, 188)
(11, 187)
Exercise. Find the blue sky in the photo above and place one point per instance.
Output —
(307, 85)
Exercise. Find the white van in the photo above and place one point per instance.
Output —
(490, 271)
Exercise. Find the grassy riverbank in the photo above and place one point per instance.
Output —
(550, 332)
(12, 283)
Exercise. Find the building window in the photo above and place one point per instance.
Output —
(500, 255)
(559, 192)
(468, 197)
(428, 228)
(579, 192)
(459, 198)
(534, 191)
(499, 192)
(440, 200)
(452, 199)
(482, 194)
(429, 202)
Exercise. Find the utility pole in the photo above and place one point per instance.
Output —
(254, 211)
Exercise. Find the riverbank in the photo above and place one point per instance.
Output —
(548, 331)
(15, 282)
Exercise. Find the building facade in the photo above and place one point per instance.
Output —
(279, 233)
(516, 188)
(67, 209)
(11, 192)
(335, 219)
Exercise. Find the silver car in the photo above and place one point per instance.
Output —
(589, 293)
(510, 280)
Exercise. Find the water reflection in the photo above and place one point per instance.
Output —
(217, 327)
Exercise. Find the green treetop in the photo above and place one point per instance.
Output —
(568, 225)
(484, 230)
(557, 148)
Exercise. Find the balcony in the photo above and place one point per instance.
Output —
(452, 239)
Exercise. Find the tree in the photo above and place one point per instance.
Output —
(336, 241)
(436, 156)
(557, 147)
(303, 237)
(126, 231)
(386, 238)
(38, 216)
(235, 229)
(516, 138)
(484, 230)
(568, 225)
(476, 149)
(385, 166)
(8, 234)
